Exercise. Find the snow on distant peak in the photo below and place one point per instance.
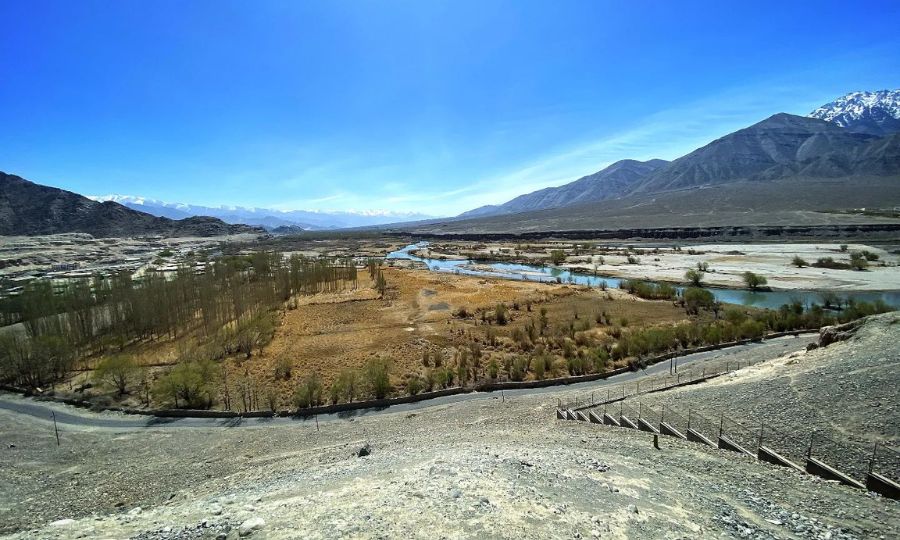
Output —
(879, 106)
(121, 199)
(136, 199)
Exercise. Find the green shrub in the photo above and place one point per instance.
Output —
(283, 368)
(696, 299)
(500, 314)
(189, 384)
(557, 257)
(493, 369)
(414, 385)
(694, 277)
(377, 377)
(649, 291)
(117, 371)
(754, 281)
(858, 261)
(309, 393)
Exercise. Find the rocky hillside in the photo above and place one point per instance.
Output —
(781, 146)
(27, 208)
(614, 181)
(854, 138)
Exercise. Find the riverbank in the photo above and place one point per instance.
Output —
(597, 265)
(727, 264)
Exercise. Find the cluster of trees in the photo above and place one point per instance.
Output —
(859, 260)
(377, 275)
(649, 290)
(373, 381)
(567, 350)
(230, 302)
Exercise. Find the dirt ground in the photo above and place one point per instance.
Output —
(486, 468)
(845, 393)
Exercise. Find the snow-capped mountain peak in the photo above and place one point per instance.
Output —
(122, 199)
(876, 113)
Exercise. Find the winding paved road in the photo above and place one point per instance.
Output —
(73, 416)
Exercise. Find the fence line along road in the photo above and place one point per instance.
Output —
(876, 467)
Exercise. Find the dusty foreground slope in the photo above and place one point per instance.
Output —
(482, 468)
(846, 393)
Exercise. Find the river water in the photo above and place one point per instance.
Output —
(762, 299)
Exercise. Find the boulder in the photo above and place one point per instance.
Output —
(249, 526)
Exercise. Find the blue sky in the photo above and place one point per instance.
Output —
(421, 106)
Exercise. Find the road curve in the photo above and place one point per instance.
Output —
(73, 416)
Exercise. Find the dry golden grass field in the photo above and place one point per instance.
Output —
(328, 333)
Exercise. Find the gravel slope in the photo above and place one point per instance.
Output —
(846, 393)
(483, 468)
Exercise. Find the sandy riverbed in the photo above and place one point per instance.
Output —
(728, 262)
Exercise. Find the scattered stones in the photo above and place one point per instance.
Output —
(249, 526)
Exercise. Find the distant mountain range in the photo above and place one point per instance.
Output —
(263, 217)
(27, 208)
(856, 136)
(786, 169)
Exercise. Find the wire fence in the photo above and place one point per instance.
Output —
(701, 424)
(854, 459)
(628, 411)
(792, 445)
(847, 456)
(649, 414)
(649, 384)
(742, 434)
(886, 462)
(674, 419)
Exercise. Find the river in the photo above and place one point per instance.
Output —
(761, 299)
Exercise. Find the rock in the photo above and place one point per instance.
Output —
(250, 525)
(631, 509)
(215, 509)
(135, 511)
(62, 522)
(364, 451)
